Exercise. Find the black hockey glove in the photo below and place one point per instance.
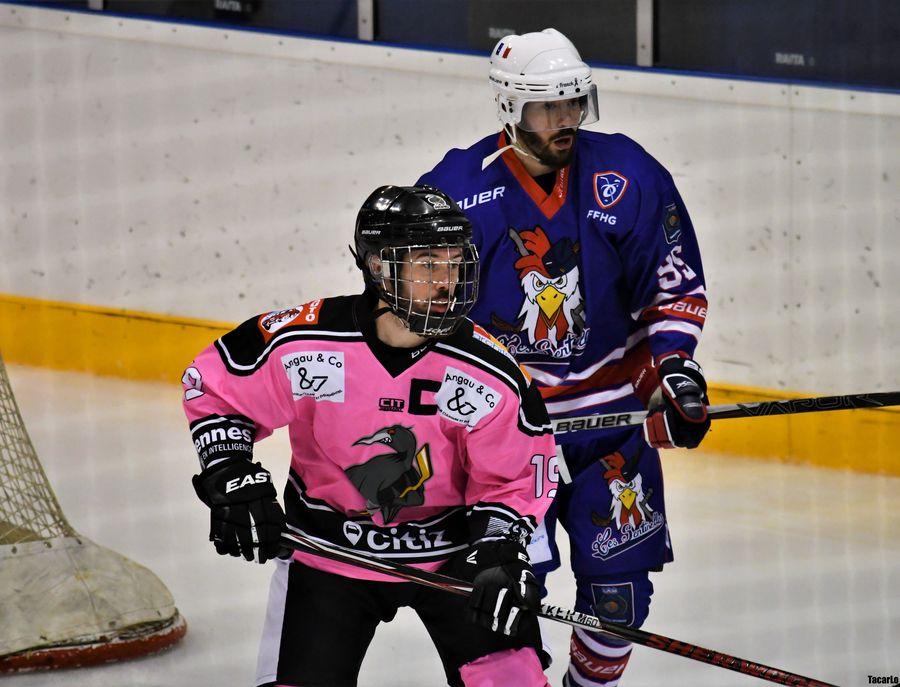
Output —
(504, 585)
(246, 519)
(675, 394)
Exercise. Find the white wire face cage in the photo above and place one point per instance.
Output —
(430, 287)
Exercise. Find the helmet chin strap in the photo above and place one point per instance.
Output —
(514, 146)
(380, 311)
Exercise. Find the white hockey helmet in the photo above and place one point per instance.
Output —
(540, 68)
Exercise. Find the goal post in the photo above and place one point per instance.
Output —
(64, 600)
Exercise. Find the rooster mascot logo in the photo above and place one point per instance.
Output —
(552, 310)
(629, 503)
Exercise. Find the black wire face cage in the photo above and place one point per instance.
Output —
(431, 288)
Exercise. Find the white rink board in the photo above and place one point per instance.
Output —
(216, 174)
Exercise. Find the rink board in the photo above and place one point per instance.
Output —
(213, 174)
(152, 347)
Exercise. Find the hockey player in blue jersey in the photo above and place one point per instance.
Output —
(592, 278)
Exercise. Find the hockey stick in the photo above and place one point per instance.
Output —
(816, 404)
(299, 541)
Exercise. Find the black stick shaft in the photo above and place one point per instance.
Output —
(299, 541)
(816, 404)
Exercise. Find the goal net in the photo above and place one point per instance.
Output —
(64, 600)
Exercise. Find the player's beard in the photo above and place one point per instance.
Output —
(544, 152)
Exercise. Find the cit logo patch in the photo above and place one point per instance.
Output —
(609, 187)
(393, 405)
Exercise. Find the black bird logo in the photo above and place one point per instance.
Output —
(390, 481)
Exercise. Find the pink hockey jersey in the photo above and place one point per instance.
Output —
(405, 454)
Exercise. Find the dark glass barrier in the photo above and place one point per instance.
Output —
(854, 42)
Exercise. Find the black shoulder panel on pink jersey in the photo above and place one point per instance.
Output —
(246, 348)
(474, 345)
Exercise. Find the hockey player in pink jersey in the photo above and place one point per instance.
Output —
(415, 437)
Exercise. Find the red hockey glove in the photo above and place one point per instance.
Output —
(675, 393)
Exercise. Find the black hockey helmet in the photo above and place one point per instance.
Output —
(414, 247)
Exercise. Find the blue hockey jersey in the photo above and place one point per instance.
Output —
(584, 284)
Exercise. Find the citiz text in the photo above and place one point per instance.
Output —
(407, 541)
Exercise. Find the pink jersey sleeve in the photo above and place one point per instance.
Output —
(508, 488)
(228, 410)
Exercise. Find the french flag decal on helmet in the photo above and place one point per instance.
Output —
(609, 187)
(500, 49)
